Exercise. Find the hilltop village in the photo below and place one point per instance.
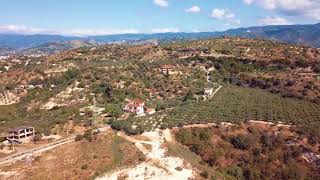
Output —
(191, 109)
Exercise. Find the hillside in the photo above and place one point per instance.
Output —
(139, 89)
(284, 70)
(57, 46)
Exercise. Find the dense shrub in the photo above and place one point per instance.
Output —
(88, 135)
(37, 137)
(235, 172)
(204, 174)
(79, 137)
(243, 142)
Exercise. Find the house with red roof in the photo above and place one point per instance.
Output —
(135, 106)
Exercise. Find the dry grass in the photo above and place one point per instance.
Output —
(78, 160)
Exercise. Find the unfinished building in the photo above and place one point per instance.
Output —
(21, 135)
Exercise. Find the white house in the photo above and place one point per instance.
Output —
(135, 106)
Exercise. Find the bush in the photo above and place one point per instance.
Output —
(84, 167)
(1, 146)
(142, 158)
(242, 142)
(316, 68)
(71, 74)
(113, 110)
(2, 139)
(37, 137)
(88, 135)
(79, 137)
(235, 171)
(204, 174)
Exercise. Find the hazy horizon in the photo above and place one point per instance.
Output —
(89, 18)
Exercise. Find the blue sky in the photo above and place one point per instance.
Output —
(96, 17)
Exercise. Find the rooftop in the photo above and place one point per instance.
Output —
(166, 66)
(137, 101)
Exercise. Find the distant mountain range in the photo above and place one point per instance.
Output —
(297, 34)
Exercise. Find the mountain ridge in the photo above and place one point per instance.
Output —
(294, 34)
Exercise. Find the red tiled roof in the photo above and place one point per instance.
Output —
(166, 66)
(137, 101)
(134, 105)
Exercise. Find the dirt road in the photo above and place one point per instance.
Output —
(157, 165)
(27, 153)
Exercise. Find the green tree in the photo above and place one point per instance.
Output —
(113, 110)
(235, 171)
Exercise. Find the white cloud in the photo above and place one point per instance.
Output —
(161, 3)
(97, 32)
(305, 8)
(225, 15)
(248, 1)
(193, 9)
(269, 20)
(165, 30)
(22, 29)
(218, 14)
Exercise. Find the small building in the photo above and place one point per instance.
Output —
(166, 69)
(208, 91)
(135, 106)
(20, 135)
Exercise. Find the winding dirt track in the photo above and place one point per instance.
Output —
(158, 164)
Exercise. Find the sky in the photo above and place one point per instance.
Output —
(102, 17)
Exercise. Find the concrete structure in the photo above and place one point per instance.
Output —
(20, 135)
(135, 106)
